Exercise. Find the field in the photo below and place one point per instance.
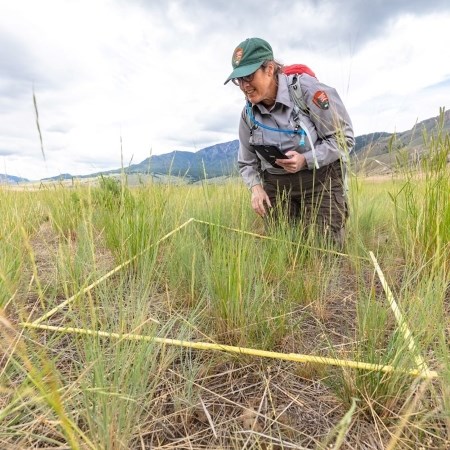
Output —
(165, 316)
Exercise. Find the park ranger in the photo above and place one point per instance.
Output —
(295, 136)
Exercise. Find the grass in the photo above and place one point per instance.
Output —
(218, 281)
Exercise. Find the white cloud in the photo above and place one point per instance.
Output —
(152, 74)
(389, 76)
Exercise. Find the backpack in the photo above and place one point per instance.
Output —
(295, 88)
(296, 94)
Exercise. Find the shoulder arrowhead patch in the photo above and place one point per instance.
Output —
(320, 99)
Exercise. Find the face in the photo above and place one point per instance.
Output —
(260, 86)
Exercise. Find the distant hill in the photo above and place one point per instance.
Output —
(211, 162)
(10, 179)
(379, 153)
(365, 140)
(62, 176)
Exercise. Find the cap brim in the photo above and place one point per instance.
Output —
(243, 71)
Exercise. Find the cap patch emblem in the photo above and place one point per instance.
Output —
(320, 99)
(237, 56)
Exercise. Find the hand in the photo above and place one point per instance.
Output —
(259, 197)
(295, 162)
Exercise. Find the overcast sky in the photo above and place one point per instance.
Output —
(146, 76)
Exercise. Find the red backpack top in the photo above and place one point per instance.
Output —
(298, 69)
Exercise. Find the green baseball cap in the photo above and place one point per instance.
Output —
(248, 57)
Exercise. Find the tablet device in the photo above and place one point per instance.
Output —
(270, 153)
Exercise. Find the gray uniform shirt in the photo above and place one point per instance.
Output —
(328, 125)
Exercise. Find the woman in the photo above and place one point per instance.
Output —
(315, 139)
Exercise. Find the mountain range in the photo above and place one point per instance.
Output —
(11, 179)
(374, 153)
(379, 153)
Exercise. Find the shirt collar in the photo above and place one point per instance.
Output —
(283, 96)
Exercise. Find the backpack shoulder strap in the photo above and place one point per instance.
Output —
(295, 87)
(247, 119)
(296, 93)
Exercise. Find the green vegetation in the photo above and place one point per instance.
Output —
(222, 279)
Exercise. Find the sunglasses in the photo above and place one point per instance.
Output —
(246, 79)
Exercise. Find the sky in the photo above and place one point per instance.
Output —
(116, 81)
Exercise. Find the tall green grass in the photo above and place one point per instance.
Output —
(218, 280)
(19, 220)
